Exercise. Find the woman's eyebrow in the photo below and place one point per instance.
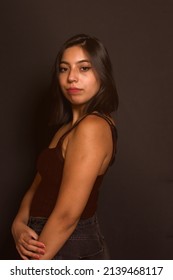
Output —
(78, 62)
(84, 60)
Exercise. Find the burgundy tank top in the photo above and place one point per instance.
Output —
(50, 166)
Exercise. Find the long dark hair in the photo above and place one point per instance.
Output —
(106, 100)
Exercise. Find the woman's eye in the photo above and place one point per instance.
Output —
(85, 68)
(63, 69)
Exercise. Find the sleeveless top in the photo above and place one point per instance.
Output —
(50, 166)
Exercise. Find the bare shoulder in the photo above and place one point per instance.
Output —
(93, 125)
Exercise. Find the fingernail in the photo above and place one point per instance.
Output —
(41, 252)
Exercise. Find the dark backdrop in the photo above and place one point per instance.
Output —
(136, 203)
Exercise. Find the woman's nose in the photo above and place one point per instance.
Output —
(73, 76)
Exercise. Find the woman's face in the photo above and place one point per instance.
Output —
(78, 79)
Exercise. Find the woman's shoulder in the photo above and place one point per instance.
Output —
(97, 119)
(95, 124)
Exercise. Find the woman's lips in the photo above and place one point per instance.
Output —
(73, 90)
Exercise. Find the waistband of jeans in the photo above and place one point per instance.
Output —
(82, 222)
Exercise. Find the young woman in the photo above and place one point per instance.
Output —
(57, 217)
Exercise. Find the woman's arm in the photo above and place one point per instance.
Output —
(25, 238)
(87, 155)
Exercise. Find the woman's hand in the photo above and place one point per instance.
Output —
(26, 242)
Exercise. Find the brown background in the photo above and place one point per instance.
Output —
(136, 203)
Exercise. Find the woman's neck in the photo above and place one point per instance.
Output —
(77, 112)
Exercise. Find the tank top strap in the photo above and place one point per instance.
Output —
(104, 117)
(112, 126)
(73, 126)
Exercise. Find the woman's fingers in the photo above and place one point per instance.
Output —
(36, 243)
(28, 247)
(34, 239)
(31, 233)
(27, 243)
(25, 254)
(34, 246)
(20, 253)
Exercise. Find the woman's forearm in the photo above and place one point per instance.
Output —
(55, 234)
(23, 212)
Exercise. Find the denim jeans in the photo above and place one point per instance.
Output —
(86, 242)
